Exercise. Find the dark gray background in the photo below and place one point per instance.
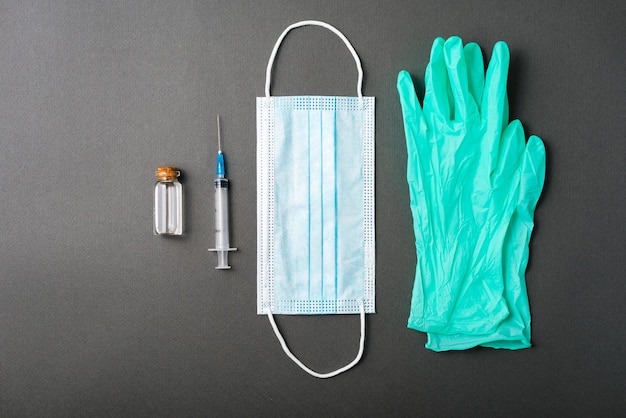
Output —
(98, 317)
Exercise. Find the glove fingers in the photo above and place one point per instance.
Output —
(414, 125)
(437, 97)
(494, 107)
(533, 174)
(411, 109)
(511, 152)
(454, 55)
(475, 71)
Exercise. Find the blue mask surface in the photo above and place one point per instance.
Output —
(315, 181)
(323, 258)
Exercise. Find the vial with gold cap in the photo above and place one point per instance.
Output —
(168, 202)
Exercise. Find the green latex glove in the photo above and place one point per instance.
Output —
(474, 184)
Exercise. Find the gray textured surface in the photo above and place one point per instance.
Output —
(98, 317)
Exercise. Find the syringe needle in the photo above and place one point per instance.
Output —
(219, 139)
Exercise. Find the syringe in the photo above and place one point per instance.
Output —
(222, 239)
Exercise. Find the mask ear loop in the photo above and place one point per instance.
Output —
(313, 373)
(270, 64)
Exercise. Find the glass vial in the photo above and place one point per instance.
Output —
(168, 202)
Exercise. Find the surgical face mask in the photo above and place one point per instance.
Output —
(315, 209)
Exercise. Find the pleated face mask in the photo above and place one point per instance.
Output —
(315, 209)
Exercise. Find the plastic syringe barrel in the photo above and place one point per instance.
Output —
(222, 236)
